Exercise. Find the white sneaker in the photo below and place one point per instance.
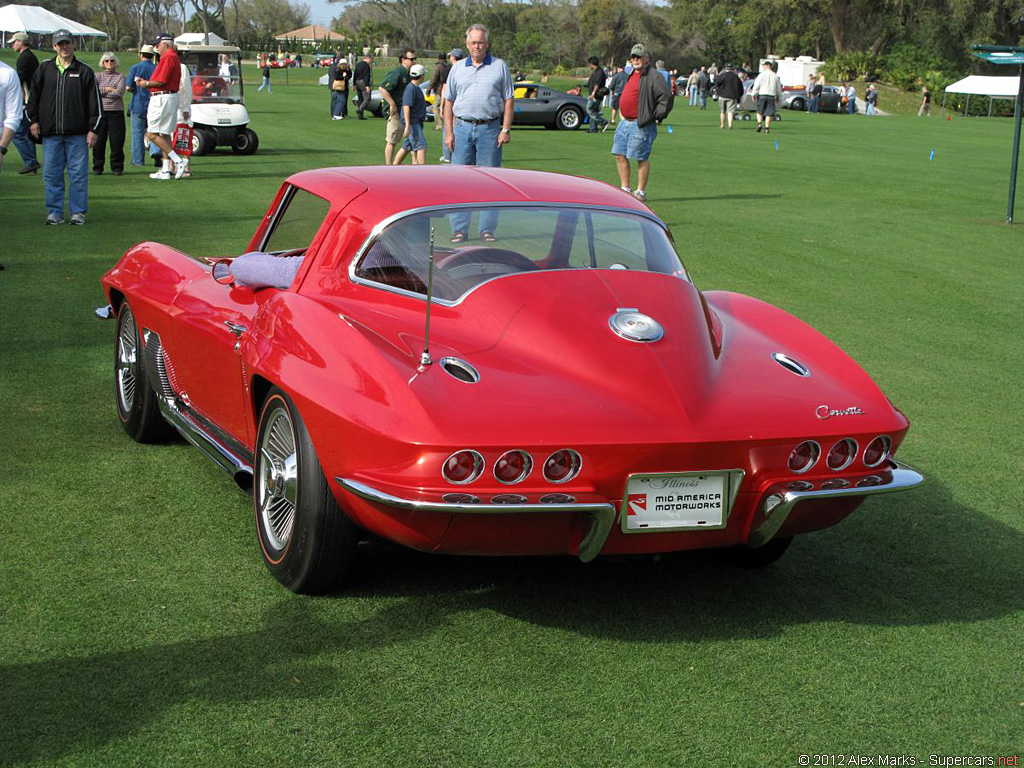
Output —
(78, 219)
(161, 175)
(443, 159)
(627, 190)
(180, 166)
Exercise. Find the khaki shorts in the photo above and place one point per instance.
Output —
(727, 105)
(163, 113)
(393, 133)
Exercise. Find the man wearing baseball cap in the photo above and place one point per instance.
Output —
(64, 112)
(646, 100)
(27, 66)
(162, 115)
(138, 107)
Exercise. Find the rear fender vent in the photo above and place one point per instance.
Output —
(790, 364)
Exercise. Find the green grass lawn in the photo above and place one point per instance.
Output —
(138, 625)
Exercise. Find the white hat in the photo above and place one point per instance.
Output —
(417, 70)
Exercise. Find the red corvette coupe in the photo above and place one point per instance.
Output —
(496, 362)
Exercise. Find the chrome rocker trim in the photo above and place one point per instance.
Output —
(601, 515)
(904, 477)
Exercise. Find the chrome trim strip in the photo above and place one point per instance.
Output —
(186, 424)
(602, 514)
(382, 225)
(904, 477)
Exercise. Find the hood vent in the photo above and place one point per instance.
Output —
(791, 365)
(460, 369)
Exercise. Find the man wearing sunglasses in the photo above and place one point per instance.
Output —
(393, 84)
(646, 101)
(64, 112)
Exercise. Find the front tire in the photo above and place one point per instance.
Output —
(203, 141)
(308, 542)
(246, 142)
(568, 119)
(137, 404)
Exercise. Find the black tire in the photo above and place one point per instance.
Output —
(246, 142)
(136, 401)
(745, 557)
(203, 141)
(308, 542)
(799, 105)
(568, 119)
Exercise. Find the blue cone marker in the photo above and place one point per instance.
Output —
(776, 144)
(670, 129)
(931, 156)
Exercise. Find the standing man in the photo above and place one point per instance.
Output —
(64, 111)
(139, 105)
(617, 84)
(455, 55)
(703, 86)
(730, 91)
(11, 108)
(646, 101)
(767, 92)
(851, 99)
(391, 89)
(162, 116)
(362, 76)
(596, 91)
(479, 101)
(26, 66)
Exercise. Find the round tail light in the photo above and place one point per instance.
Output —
(842, 454)
(804, 456)
(877, 451)
(512, 467)
(562, 466)
(463, 467)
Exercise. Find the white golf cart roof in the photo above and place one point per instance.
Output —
(190, 48)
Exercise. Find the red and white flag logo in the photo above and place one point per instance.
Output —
(636, 503)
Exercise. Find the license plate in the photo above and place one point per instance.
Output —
(679, 501)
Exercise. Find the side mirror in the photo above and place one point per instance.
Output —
(221, 272)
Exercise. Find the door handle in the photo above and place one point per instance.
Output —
(235, 329)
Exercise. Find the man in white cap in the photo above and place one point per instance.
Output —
(64, 113)
(162, 116)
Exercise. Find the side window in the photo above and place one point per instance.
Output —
(297, 225)
(617, 242)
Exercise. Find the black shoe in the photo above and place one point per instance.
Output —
(98, 171)
(361, 117)
(117, 173)
(30, 168)
(759, 127)
(158, 161)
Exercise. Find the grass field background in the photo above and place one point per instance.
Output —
(139, 627)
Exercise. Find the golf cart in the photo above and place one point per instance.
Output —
(218, 109)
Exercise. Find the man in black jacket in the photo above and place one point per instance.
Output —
(27, 66)
(730, 92)
(646, 101)
(596, 91)
(362, 76)
(64, 111)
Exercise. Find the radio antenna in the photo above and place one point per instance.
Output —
(425, 356)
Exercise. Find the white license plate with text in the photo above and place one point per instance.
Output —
(684, 501)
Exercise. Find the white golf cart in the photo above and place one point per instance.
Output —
(218, 109)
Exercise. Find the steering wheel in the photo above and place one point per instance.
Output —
(476, 255)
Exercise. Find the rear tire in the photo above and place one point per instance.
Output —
(745, 557)
(308, 542)
(203, 141)
(246, 142)
(568, 119)
(134, 396)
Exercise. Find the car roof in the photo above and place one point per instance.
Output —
(382, 191)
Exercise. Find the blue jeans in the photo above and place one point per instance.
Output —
(813, 105)
(339, 103)
(596, 118)
(476, 145)
(693, 95)
(264, 84)
(703, 97)
(870, 109)
(71, 153)
(26, 147)
(139, 125)
(417, 140)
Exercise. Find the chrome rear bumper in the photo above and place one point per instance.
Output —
(903, 478)
(600, 516)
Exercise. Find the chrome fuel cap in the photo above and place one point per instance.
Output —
(633, 325)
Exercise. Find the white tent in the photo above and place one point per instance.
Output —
(984, 85)
(981, 85)
(36, 20)
(198, 38)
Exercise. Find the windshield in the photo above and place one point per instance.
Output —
(215, 76)
(527, 239)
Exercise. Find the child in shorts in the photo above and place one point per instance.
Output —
(414, 113)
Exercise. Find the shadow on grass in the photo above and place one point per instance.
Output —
(717, 197)
(912, 559)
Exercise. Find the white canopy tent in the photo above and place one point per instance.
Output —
(200, 38)
(39, 21)
(984, 85)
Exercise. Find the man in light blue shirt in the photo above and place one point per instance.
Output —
(478, 108)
